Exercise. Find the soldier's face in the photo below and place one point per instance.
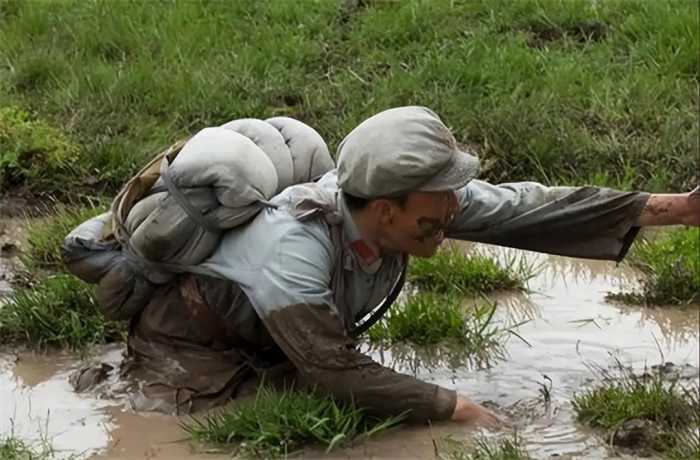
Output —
(418, 227)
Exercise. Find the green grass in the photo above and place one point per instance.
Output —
(550, 90)
(429, 318)
(623, 396)
(58, 311)
(12, 448)
(451, 270)
(277, 423)
(44, 236)
(33, 154)
(671, 269)
(506, 448)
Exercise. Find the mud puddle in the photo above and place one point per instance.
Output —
(569, 324)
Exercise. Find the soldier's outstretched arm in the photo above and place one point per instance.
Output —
(588, 222)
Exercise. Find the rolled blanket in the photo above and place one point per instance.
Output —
(171, 215)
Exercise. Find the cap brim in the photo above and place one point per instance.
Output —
(457, 175)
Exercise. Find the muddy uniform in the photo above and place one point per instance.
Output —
(290, 286)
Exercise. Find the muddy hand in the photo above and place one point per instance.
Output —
(477, 415)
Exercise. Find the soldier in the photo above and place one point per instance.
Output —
(288, 289)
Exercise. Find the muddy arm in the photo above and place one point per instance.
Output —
(587, 222)
(292, 296)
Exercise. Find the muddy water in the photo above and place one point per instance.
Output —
(569, 325)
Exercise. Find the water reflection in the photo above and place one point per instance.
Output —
(677, 326)
(417, 361)
(515, 308)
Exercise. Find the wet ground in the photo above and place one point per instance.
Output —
(569, 325)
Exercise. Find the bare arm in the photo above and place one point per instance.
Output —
(672, 209)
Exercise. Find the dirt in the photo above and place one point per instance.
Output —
(13, 206)
(10, 245)
(569, 325)
(541, 34)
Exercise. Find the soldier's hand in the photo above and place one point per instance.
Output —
(475, 414)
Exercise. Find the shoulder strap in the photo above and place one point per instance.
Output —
(376, 314)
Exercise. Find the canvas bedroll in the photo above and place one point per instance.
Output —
(171, 216)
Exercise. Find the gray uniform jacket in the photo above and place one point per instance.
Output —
(295, 282)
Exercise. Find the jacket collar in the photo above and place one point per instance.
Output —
(367, 257)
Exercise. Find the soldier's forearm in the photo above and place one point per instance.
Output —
(325, 357)
(671, 209)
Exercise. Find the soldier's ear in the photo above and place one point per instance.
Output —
(383, 210)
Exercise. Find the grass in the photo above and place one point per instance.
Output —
(33, 154)
(548, 90)
(429, 318)
(277, 423)
(452, 270)
(12, 448)
(622, 396)
(436, 314)
(506, 448)
(671, 268)
(44, 236)
(58, 311)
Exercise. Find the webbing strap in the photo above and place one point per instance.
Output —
(181, 199)
(378, 312)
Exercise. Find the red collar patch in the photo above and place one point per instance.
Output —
(364, 251)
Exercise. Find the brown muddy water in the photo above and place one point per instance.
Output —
(569, 325)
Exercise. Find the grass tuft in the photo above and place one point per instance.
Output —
(44, 236)
(277, 423)
(57, 311)
(508, 448)
(429, 318)
(663, 415)
(671, 268)
(450, 270)
(12, 448)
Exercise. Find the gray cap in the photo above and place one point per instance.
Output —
(402, 150)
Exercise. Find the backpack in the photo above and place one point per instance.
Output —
(171, 215)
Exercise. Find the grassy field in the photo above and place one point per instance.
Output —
(560, 91)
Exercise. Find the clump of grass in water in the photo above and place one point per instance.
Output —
(45, 235)
(15, 449)
(12, 448)
(484, 449)
(428, 318)
(450, 270)
(277, 423)
(57, 311)
(671, 265)
(670, 410)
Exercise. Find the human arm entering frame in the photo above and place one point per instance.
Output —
(672, 209)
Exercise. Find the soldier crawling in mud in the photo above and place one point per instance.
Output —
(292, 272)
